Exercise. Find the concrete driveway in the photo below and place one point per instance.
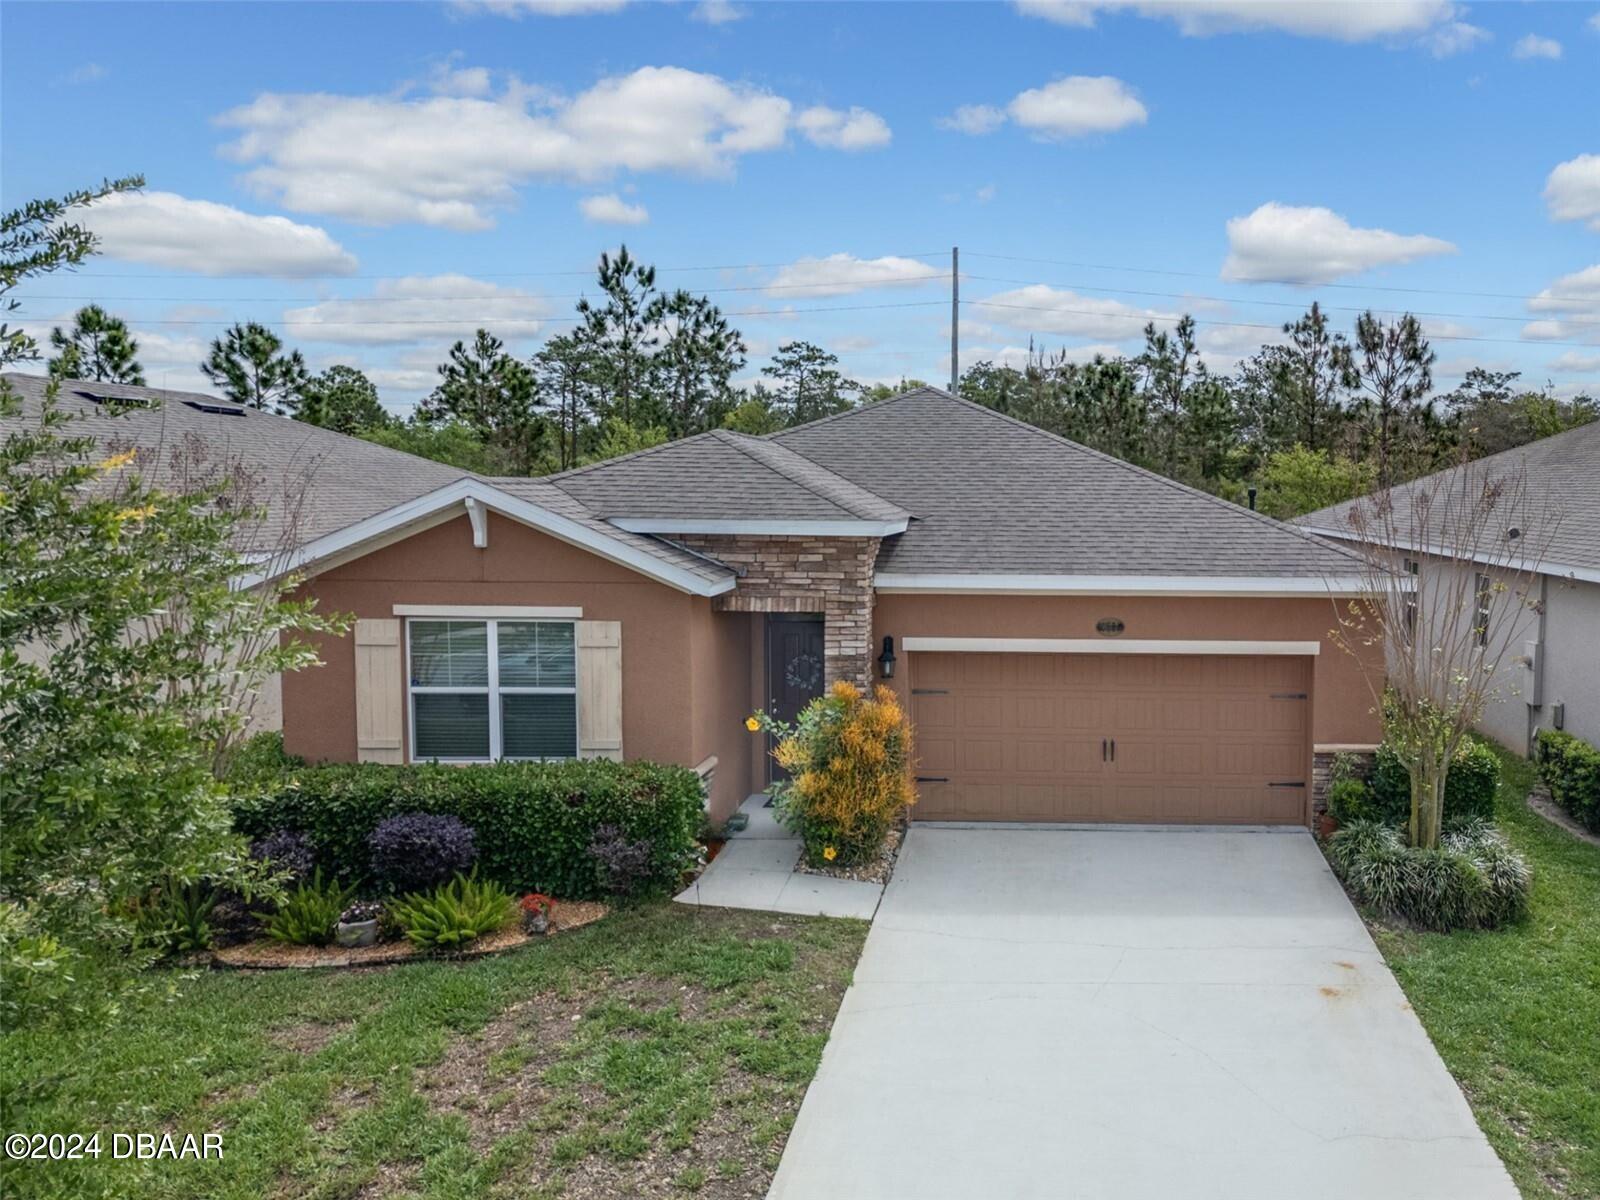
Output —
(1147, 1014)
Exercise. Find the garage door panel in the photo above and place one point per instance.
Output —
(1025, 737)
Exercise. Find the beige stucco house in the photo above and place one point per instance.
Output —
(1076, 639)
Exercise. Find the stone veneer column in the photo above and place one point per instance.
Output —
(831, 576)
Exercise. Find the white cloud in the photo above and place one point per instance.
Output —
(1572, 309)
(986, 193)
(844, 275)
(1315, 245)
(451, 160)
(612, 209)
(1340, 20)
(857, 129)
(973, 119)
(1594, 23)
(87, 73)
(168, 230)
(1578, 363)
(1533, 46)
(417, 308)
(1044, 309)
(1078, 105)
(716, 12)
(1454, 37)
(447, 80)
(540, 8)
(1572, 191)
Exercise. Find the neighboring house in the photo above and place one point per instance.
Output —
(1551, 680)
(1076, 639)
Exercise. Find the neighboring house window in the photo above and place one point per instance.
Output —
(1480, 619)
(1414, 569)
(493, 689)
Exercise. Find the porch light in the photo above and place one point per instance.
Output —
(886, 659)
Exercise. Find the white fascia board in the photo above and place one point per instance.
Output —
(1125, 585)
(766, 528)
(398, 518)
(506, 611)
(1105, 645)
(1565, 570)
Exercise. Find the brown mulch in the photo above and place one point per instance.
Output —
(1539, 800)
(267, 955)
(876, 871)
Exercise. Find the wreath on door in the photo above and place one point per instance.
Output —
(803, 671)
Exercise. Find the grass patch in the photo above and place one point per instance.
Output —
(1516, 1013)
(661, 1052)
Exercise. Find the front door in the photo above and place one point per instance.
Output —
(794, 672)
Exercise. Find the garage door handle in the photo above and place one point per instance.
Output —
(1299, 784)
(933, 779)
(1104, 757)
(930, 691)
(1113, 749)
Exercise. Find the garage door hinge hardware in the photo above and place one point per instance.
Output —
(1300, 784)
(930, 691)
(933, 779)
(1288, 695)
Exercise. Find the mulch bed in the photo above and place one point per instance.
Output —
(1539, 800)
(267, 955)
(876, 871)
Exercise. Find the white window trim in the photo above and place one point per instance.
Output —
(493, 691)
(514, 612)
(1107, 645)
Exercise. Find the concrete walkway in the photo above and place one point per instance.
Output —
(756, 870)
(1125, 1015)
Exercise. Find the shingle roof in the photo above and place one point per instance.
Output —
(1560, 480)
(722, 475)
(994, 495)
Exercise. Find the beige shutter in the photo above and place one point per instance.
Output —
(600, 689)
(379, 691)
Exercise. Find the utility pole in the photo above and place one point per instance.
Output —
(955, 320)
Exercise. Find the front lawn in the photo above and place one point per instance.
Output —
(1516, 1013)
(662, 1052)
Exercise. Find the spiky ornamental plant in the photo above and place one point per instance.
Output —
(1451, 581)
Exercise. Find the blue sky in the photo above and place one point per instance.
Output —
(377, 180)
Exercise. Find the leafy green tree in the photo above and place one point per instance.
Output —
(886, 391)
(807, 383)
(991, 386)
(494, 394)
(452, 442)
(41, 237)
(1210, 432)
(1301, 480)
(1490, 412)
(756, 414)
(248, 366)
(622, 332)
(1392, 365)
(617, 438)
(97, 347)
(1315, 375)
(565, 370)
(340, 398)
(699, 355)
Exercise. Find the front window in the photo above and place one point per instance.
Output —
(493, 689)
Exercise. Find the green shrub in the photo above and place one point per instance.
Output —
(1351, 800)
(260, 760)
(1473, 880)
(308, 913)
(1469, 789)
(453, 914)
(1570, 768)
(534, 822)
(178, 916)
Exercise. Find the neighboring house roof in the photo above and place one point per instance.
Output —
(725, 482)
(1560, 480)
(996, 497)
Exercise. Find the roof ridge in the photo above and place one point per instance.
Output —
(866, 406)
(741, 442)
(570, 472)
(1175, 485)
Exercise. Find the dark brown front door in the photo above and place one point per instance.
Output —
(794, 671)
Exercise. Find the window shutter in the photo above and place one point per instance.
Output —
(600, 689)
(379, 690)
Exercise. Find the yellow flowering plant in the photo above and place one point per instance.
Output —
(849, 762)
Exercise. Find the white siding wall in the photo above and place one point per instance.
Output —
(1572, 658)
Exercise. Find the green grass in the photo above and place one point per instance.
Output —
(662, 1052)
(1516, 1013)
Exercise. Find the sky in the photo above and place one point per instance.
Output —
(375, 181)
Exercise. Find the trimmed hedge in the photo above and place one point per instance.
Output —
(1469, 789)
(534, 821)
(1570, 768)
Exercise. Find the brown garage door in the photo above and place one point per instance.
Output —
(1110, 737)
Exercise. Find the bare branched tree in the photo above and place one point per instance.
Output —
(1451, 583)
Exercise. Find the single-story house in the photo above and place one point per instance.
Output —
(1552, 678)
(1075, 638)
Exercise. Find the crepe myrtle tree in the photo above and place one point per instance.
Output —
(1451, 585)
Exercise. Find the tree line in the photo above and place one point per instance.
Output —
(1319, 417)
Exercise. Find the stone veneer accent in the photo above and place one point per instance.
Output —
(831, 576)
(1322, 769)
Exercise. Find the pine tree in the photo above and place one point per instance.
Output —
(97, 347)
(489, 390)
(1394, 371)
(248, 366)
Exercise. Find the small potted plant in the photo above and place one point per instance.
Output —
(358, 924)
(535, 908)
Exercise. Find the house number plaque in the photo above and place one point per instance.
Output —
(1109, 626)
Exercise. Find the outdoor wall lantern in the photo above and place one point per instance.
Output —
(886, 659)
